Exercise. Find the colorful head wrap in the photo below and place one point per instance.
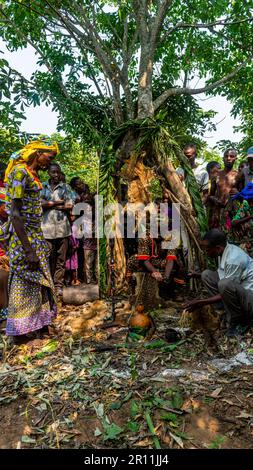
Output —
(23, 155)
(246, 193)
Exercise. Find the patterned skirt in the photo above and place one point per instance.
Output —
(4, 265)
(31, 293)
(29, 307)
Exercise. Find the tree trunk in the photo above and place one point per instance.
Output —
(182, 196)
(119, 117)
(145, 98)
(120, 265)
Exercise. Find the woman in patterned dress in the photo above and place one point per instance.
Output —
(31, 291)
(4, 263)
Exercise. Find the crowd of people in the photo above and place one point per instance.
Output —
(227, 196)
(41, 252)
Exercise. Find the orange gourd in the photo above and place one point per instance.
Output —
(140, 319)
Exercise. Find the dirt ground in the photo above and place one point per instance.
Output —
(92, 388)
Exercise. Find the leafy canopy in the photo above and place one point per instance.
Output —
(103, 62)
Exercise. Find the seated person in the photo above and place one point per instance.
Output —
(151, 258)
(232, 283)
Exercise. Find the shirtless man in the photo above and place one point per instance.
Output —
(227, 183)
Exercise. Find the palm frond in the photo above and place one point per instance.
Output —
(157, 142)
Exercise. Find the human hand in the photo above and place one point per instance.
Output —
(157, 276)
(233, 191)
(166, 279)
(60, 202)
(192, 305)
(65, 207)
(32, 260)
(194, 275)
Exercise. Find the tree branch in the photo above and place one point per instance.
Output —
(19, 32)
(20, 76)
(73, 31)
(140, 12)
(133, 43)
(42, 14)
(158, 22)
(108, 21)
(182, 25)
(124, 72)
(195, 91)
(125, 39)
(104, 55)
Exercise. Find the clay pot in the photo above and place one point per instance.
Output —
(140, 319)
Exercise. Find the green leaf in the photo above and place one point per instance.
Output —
(134, 409)
(133, 426)
(156, 344)
(152, 429)
(177, 400)
(116, 405)
(112, 431)
(135, 336)
(170, 417)
(97, 432)
(49, 348)
(28, 440)
(217, 441)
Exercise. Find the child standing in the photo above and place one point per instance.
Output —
(72, 260)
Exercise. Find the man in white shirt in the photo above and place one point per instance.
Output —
(200, 173)
(232, 283)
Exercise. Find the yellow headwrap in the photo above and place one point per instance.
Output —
(23, 155)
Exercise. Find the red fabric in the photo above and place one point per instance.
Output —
(172, 257)
(2, 253)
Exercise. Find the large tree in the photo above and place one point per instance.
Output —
(135, 53)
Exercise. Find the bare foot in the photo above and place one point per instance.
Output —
(21, 339)
(75, 283)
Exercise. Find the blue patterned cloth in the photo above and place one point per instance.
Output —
(3, 314)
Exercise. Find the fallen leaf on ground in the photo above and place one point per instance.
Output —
(244, 415)
(216, 392)
(178, 440)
